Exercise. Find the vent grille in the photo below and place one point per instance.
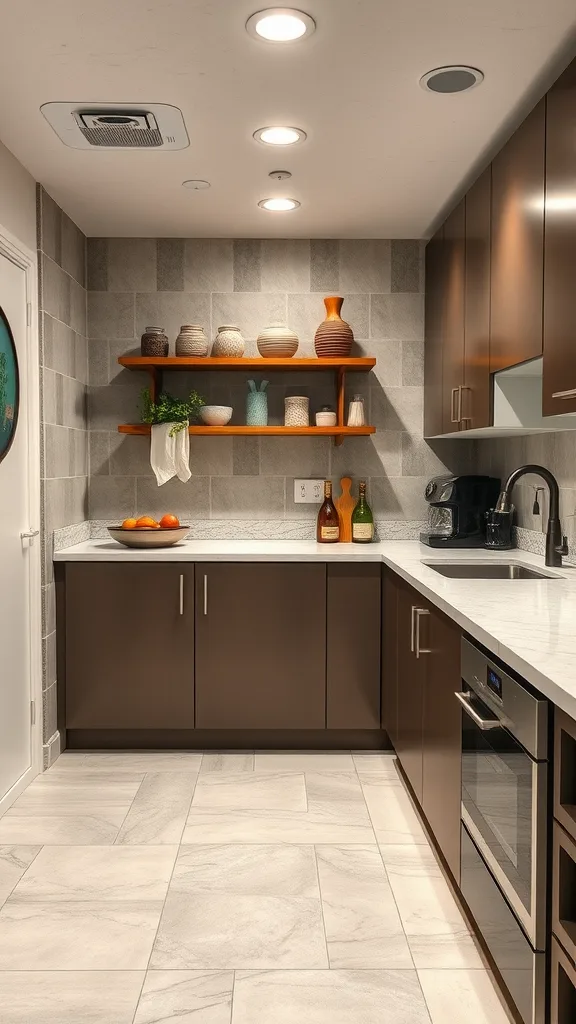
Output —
(118, 125)
(122, 136)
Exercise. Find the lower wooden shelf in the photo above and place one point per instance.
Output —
(144, 429)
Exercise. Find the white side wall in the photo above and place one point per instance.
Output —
(17, 199)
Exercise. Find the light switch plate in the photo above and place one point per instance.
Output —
(309, 492)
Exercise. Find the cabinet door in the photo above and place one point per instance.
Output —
(453, 335)
(411, 675)
(516, 273)
(129, 646)
(434, 316)
(260, 646)
(442, 734)
(390, 592)
(559, 383)
(476, 399)
(353, 645)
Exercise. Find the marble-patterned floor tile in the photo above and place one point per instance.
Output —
(188, 997)
(102, 873)
(71, 797)
(382, 761)
(69, 997)
(274, 791)
(437, 933)
(393, 816)
(228, 761)
(328, 997)
(14, 861)
(93, 936)
(220, 932)
(363, 927)
(158, 813)
(337, 796)
(462, 997)
(144, 760)
(247, 870)
(98, 826)
(213, 826)
(303, 761)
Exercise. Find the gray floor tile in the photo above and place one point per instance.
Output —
(248, 870)
(188, 997)
(69, 997)
(158, 813)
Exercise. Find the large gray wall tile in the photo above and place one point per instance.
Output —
(50, 712)
(357, 457)
(111, 315)
(112, 497)
(188, 501)
(97, 264)
(208, 265)
(325, 266)
(99, 452)
(405, 265)
(398, 409)
(73, 251)
(285, 265)
(170, 265)
(365, 265)
(50, 227)
(413, 363)
(107, 407)
(399, 315)
(399, 498)
(247, 264)
(55, 290)
(250, 311)
(246, 456)
(132, 264)
(128, 456)
(78, 308)
(170, 310)
(65, 451)
(211, 456)
(298, 456)
(48, 609)
(248, 497)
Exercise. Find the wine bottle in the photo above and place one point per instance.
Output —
(328, 529)
(362, 519)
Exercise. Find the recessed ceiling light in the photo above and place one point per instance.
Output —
(280, 25)
(196, 183)
(454, 78)
(279, 205)
(280, 135)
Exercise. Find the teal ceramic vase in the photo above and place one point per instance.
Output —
(257, 404)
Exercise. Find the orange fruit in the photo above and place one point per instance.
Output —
(147, 522)
(129, 524)
(169, 522)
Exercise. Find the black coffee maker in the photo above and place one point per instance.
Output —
(457, 507)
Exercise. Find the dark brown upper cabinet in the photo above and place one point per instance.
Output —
(516, 272)
(260, 645)
(559, 375)
(453, 326)
(129, 646)
(476, 401)
(433, 332)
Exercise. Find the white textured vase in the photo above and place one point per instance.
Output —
(277, 342)
(191, 341)
(229, 343)
(297, 411)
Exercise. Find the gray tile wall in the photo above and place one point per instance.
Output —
(251, 282)
(64, 434)
(555, 451)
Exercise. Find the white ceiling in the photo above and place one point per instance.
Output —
(382, 156)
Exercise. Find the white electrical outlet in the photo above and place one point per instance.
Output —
(309, 491)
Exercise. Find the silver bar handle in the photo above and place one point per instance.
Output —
(483, 723)
(459, 405)
(453, 413)
(205, 594)
(571, 393)
(463, 418)
(181, 594)
(412, 627)
(421, 650)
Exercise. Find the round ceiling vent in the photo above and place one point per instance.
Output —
(454, 78)
(196, 183)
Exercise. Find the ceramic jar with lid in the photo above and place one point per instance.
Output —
(154, 342)
(229, 343)
(326, 417)
(277, 342)
(297, 411)
(191, 341)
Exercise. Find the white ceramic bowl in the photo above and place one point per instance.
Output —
(216, 415)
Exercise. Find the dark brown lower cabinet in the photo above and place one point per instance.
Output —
(353, 645)
(260, 645)
(563, 980)
(129, 642)
(419, 683)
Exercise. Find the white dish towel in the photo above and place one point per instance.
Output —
(170, 456)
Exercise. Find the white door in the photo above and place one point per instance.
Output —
(18, 576)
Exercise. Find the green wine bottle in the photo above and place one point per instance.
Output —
(362, 519)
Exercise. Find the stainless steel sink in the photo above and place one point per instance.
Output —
(489, 571)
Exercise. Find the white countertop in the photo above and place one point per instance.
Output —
(529, 624)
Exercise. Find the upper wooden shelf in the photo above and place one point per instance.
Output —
(360, 364)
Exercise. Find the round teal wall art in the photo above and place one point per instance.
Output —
(9, 386)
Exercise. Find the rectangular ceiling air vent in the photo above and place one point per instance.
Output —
(118, 126)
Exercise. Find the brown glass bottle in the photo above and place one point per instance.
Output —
(328, 529)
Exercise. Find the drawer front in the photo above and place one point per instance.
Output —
(563, 981)
(564, 890)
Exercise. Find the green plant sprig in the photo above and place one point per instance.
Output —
(167, 409)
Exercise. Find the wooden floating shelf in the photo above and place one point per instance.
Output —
(360, 364)
(144, 429)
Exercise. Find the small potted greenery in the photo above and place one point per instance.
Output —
(167, 409)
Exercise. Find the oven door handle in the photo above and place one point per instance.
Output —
(483, 723)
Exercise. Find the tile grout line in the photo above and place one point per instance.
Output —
(321, 905)
(232, 996)
(36, 855)
(130, 808)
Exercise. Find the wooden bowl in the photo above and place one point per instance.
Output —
(147, 537)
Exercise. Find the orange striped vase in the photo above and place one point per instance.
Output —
(334, 336)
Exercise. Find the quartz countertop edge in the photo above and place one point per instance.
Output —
(529, 624)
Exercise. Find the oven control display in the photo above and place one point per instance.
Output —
(494, 682)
